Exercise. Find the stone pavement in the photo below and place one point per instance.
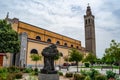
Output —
(71, 69)
(28, 77)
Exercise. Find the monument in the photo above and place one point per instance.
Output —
(48, 72)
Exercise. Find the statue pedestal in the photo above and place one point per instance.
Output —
(48, 76)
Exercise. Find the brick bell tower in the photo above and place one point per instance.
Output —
(90, 43)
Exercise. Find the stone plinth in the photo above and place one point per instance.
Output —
(48, 76)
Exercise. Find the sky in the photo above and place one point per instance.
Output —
(66, 17)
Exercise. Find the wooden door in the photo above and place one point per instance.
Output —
(1, 60)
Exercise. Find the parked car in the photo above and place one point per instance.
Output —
(73, 64)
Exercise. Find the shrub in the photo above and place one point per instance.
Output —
(93, 73)
(36, 71)
(21, 69)
(13, 69)
(110, 74)
(18, 75)
(100, 77)
(84, 72)
(11, 76)
(60, 73)
(87, 78)
(28, 70)
(117, 77)
(3, 73)
(2, 70)
(68, 75)
(79, 77)
(87, 64)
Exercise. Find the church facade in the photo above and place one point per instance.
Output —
(34, 39)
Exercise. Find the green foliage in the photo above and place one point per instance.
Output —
(58, 56)
(6, 75)
(35, 57)
(11, 76)
(18, 75)
(84, 72)
(93, 73)
(79, 77)
(60, 73)
(117, 77)
(100, 77)
(36, 71)
(3, 73)
(66, 58)
(28, 70)
(110, 74)
(75, 55)
(9, 41)
(13, 69)
(87, 78)
(2, 70)
(87, 64)
(98, 61)
(112, 54)
(69, 75)
(90, 58)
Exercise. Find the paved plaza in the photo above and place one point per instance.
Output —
(71, 69)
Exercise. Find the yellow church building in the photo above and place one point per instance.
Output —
(34, 39)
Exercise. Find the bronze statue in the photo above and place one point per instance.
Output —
(49, 54)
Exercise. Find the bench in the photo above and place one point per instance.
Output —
(64, 67)
(106, 67)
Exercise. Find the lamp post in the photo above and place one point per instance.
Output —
(24, 58)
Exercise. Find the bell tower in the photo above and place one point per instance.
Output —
(89, 25)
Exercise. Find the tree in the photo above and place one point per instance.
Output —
(36, 58)
(108, 59)
(91, 58)
(66, 58)
(98, 61)
(58, 56)
(113, 53)
(9, 41)
(76, 56)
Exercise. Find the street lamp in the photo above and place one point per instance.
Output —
(24, 58)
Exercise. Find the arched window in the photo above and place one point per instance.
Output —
(34, 51)
(71, 45)
(58, 42)
(49, 40)
(38, 37)
(65, 44)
